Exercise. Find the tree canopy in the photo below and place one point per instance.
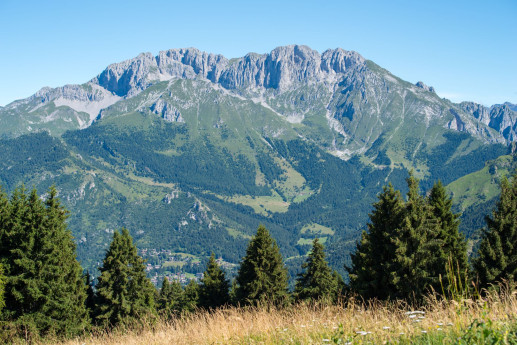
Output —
(124, 293)
(318, 281)
(262, 276)
(497, 255)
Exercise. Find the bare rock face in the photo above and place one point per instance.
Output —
(456, 123)
(500, 117)
(167, 111)
(189, 63)
(286, 66)
(421, 85)
(280, 69)
(511, 106)
(128, 77)
(479, 111)
(71, 92)
(504, 120)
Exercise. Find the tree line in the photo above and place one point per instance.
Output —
(408, 251)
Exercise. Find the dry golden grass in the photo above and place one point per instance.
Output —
(305, 324)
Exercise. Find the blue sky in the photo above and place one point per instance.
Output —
(467, 50)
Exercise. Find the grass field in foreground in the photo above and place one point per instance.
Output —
(492, 320)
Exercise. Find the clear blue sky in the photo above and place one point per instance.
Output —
(467, 50)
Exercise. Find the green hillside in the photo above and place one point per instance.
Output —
(192, 165)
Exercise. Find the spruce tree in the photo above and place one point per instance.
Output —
(63, 273)
(170, 299)
(454, 249)
(318, 282)
(369, 274)
(262, 276)
(124, 293)
(416, 243)
(45, 289)
(214, 288)
(497, 255)
(190, 297)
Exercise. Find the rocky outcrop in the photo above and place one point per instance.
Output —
(167, 111)
(504, 120)
(500, 117)
(511, 106)
(421, 85)
(479, 111)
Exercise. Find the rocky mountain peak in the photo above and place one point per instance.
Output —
(279, 69)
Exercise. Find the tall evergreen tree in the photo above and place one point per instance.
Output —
(262, 277)
(124, 293)
(416, 243)
(454, 247)
(318, 282)
(214, 288)
(45, 289)
(190, 297)
(170, 300)
(63, 273)
(497, 255)
(369, 274)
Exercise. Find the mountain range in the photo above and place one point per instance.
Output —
(191, 151)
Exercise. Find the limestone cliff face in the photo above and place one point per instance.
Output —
(501, 117)
(280, 69)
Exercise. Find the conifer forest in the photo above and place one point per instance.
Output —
(412, 249)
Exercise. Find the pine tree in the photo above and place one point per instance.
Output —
(497, 255)
(318, 282)
(416, 244)
(214, 288)
(45, 289)
(262, 277)
(63, 273)
(369, 274)
(454, 249)
(190, 297)
(124, 293)
(170, 300)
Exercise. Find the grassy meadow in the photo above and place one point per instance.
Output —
(488, 320)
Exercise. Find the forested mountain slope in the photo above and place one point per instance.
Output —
(191, 151)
